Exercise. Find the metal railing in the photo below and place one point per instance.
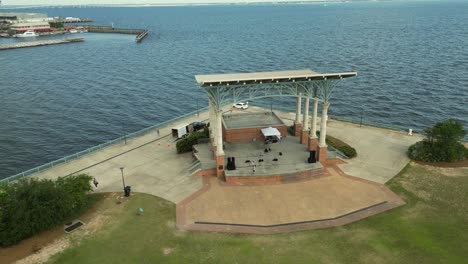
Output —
(99, 147)
(194, 167)
(164, 124)
(335, 153)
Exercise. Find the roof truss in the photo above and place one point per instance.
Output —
(224, 89)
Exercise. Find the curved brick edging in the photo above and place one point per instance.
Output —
(297, 223)
(180, 207)
(393, 201)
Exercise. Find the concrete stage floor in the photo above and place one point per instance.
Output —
(251, 119)
(293, 157)
(333, 200)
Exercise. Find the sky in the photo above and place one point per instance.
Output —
(121, 2)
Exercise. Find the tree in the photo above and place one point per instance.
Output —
(30, 206)
(442, 143)
(448, 132)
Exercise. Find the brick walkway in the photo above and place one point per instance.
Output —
(334, 200)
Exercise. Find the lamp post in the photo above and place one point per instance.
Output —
(123, 180)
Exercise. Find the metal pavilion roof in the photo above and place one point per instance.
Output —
(223, 89)
(267, 77)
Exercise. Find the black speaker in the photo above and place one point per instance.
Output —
(312, 157)
(233, 163)
(229, 163)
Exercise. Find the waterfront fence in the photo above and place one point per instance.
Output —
(166, 123)
(99, 147)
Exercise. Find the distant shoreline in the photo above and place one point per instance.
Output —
(306, 2)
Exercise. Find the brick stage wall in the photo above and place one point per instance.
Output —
(248, 134)
(276, 179)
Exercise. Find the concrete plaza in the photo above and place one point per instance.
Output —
(381, 152)
(152, 166)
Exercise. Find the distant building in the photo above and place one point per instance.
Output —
(23, 17)
(36, 26)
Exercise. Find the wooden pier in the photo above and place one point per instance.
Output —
(39, 43)
(141, 33)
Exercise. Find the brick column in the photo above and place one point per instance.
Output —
(297, 122)
(297, 129)
(313, 140)
(322, 148)
(219, 145)
(305, 123)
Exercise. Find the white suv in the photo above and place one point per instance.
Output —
(241, 105)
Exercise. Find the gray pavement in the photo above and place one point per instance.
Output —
(381, 152)
(152, 166)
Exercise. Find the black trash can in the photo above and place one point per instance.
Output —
(127, 191)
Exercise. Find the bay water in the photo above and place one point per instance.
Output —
(411, 59)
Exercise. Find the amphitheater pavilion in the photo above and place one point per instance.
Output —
(223, 89)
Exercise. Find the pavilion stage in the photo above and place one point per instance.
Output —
(285, 161)
(273, 187)
(246, 127)
(257, 162)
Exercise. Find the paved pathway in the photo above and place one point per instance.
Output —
(155, 168)
(381, 152)
(150, 163)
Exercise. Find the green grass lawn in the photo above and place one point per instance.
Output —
(431, 228)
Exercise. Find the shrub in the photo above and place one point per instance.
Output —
(349, 151)
(30, 206)
(185, 144)
(441, 143)
(340, 145)
(291, 130)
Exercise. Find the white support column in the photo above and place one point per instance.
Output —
(298, 108)
(323, 125)
(212, 120)
(313, 127)
(305, 123)
(210, 114)
(219, 134)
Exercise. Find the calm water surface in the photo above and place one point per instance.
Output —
(412, 60)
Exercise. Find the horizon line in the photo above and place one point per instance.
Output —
(190, 4)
